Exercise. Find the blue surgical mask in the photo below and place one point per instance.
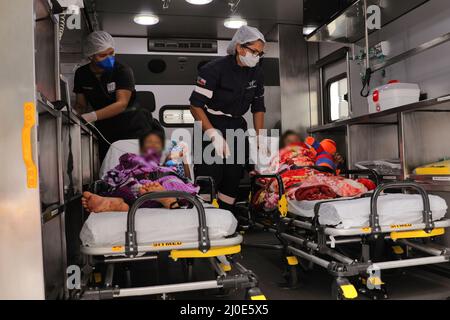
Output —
(107, 64)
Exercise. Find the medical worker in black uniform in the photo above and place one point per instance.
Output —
(107, 88)
(226, 89)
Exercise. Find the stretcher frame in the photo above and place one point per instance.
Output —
(315, 243)
(219, 253)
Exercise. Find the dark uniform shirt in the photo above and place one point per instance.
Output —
(101, 92)
(224, 86)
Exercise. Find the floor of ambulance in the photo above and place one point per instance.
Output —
(411, 283)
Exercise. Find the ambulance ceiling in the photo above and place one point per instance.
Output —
(184, 20)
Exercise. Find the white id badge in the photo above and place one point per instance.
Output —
(111, 87)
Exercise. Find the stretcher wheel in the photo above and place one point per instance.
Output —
(254, 294)
(376, 294)
(127, 275)
(342, 289)
(223, 292)
(335, 292)
(188, 269)
(291, 275)
(379, 293)
(97, 277)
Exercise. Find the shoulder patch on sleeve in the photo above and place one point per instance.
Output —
(201, 81)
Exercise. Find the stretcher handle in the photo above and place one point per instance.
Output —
(211, 182)
(374, 217)
(130, 236)
(270, 176)
(27, 145)
(370, 172)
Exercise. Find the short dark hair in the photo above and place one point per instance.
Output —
(285, 135)
(157, 132)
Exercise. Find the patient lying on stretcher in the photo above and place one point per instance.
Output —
(309, 171)
(137, 175)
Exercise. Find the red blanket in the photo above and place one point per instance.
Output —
(328, 187)
(306, 183)
(315, 193)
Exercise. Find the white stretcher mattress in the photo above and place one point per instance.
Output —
(354, 213)
(155, 225)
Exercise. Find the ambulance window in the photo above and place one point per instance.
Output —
(176, 116)
(337, 107)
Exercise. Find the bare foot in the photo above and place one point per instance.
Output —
(94, 203)
(157, 187)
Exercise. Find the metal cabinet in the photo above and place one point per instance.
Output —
(67, 165)
(21, 266)
(52, 200)
(34, 197)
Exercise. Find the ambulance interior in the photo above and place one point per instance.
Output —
(387, 111)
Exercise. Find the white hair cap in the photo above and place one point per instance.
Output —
(98, 41)
(245, 34)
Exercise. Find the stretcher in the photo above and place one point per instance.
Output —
(108, 228)
(349, 237)
(197, 231)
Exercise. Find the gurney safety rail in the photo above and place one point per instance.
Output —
(426, 213)
(131, 242)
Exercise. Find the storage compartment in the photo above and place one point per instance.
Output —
(424, 144)
(74, 220)
(96, 159)
(45, 52)
(385, 167)
(54, 244)
(51, 195)
(392, 95)
(48, 155)
(71, 140)
(86, 158)
(370, 142)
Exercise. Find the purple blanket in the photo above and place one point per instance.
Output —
(134, 171)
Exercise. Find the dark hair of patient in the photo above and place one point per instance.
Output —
(157, 132)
